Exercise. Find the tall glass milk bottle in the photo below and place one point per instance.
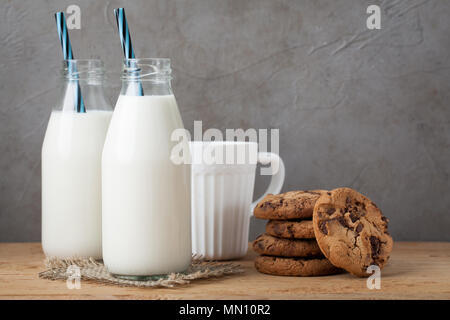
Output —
(146, 196)
(71, 164)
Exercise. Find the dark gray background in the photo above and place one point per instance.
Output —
(355, 107)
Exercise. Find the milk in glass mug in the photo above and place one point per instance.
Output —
(222, 183)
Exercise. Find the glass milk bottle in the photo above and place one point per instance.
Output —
(71, 164)
(146, 196)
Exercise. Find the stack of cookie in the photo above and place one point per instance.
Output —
(289, 246)
(312, 233)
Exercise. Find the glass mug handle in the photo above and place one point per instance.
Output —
(277, 179)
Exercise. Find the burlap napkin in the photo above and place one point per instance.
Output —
(90, 269)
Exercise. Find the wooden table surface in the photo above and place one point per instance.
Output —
(417, 270)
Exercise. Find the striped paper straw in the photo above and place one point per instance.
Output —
(68, 55)
(125, 40)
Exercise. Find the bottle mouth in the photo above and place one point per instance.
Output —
(84, 69)
(146, 69)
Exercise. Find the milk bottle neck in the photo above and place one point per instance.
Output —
(83, 79)
(148, 88)
(148, 76)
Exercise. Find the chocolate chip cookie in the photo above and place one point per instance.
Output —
(273, 246)
(291, 229)
(351, 231)
(295, 266)
(289, 205)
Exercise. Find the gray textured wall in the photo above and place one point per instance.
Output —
(359, 108)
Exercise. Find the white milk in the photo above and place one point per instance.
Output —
(71, 183)
(146, 198)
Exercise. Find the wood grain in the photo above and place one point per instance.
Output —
(415, 271)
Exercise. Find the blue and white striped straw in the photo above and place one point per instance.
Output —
(68, 55)
(125, 40)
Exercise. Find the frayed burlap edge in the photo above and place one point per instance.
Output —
(90, 269)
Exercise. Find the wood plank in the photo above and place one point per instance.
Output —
(416, 271)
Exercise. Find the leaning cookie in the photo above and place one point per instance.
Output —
(291, 229)
(351, 231)
(289, 205)
(295, 266)
(272, 246)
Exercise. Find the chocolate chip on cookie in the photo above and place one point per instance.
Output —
(291, 229)
(295, 266)
(289, 205)
(351, 231)
(273, 246)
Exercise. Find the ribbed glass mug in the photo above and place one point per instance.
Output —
(223, 179)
